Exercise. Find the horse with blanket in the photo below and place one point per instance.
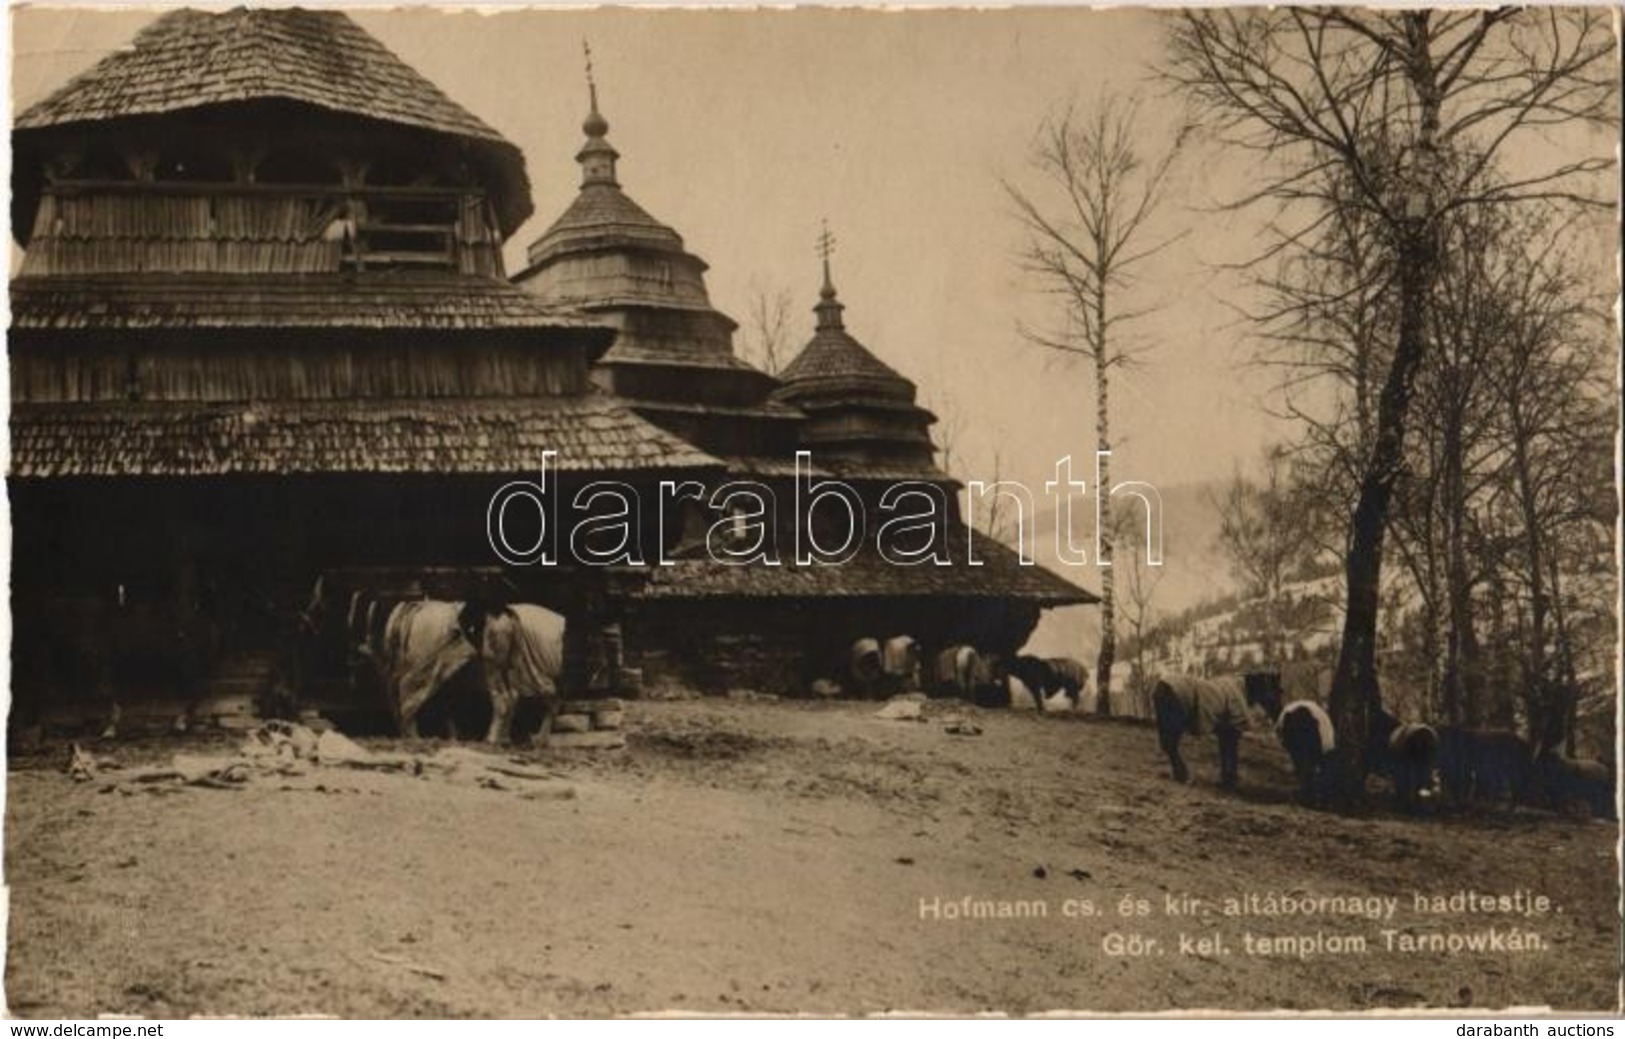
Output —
(884, 668)
(1186, 704)
(1406, 753)
(963, 671)
(1053, 683)
(1305, 730)
(516, 652)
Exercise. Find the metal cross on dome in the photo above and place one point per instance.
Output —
(826, 243)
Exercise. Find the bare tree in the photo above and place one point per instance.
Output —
(1401, 116)
(954, 446)
(1549, 482)
(949, 432)
(1260, 534)
(1434, 519)
(768, 329)
(997, 522)
(1088, 234)
(1141, 581)
(1509, 325)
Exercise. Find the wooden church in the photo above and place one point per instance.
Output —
(262, 337)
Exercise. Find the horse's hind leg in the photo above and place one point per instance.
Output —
(1074, 693)
(1170, 747)
(1602, 800)
(1303, 767)
(1229, 751)
(1181, 773)
(1319, 786)
(1170, 727)
(504, 701)
(550, 708)
(1408, 785)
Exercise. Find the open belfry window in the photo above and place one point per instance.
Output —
(296, 165)
(406, 228)
(194, 165)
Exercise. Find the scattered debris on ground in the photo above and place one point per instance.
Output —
(902, 709)
(752, 695)
(284, 750)
(917, 707)
(742, 857)
(81, 765)
(406, 964)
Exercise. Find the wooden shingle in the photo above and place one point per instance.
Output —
(869, 575)
(588, 434)
(383, 300)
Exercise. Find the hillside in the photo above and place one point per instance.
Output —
(1192, 571)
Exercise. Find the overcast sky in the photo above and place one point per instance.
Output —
(742, 130)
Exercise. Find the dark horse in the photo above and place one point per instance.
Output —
(1564, 779)
(1187, 704)
(1485, 765)
(1406, 753)
(1071, 678)
(1305, 730)
(1035, 674)
(1045, 677)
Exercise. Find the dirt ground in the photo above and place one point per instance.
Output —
(772, 857)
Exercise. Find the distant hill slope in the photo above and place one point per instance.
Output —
(1192, 569)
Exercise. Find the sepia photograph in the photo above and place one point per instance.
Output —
(587, 512)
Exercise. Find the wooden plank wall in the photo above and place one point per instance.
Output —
(217, 233)
(330, 371)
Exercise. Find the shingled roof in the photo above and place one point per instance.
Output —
(834, 366)
(861, 413)
(833, 360)
(608, 255)
(837, 356)
(1000, 576)
(602, 216)
(379, 300)
(190, 59)
(291, 437)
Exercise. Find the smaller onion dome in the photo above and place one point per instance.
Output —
(859, 409)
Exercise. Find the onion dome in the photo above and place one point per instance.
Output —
(859, 409)
(602, 216)
(567, 264)
(608, 257)
(597, 156)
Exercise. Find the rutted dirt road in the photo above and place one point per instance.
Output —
(744, 856)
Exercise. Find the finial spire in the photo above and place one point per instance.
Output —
(597, 157)
(826, 249)
(829, 308)
(596, 125)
